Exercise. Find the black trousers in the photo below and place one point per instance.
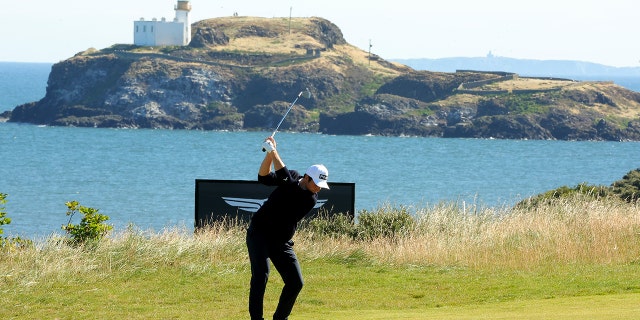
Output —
(285, 261)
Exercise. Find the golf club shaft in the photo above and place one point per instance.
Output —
(286, 113)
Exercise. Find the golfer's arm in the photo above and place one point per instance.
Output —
(265, 167)
(277, 162)
(270, 158)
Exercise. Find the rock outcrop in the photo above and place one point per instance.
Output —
(241, 73)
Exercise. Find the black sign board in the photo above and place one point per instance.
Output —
(220, 199)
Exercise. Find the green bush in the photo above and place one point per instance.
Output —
(3, 214)
(384, 223)
(628, 188)
(91, 228)
(9, 243)
(334, 226)
(591, 191)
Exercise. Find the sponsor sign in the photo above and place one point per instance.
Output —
(217, 200)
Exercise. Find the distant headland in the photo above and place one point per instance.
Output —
(241, 73)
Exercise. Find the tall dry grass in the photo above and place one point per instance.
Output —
(577, 230)
(125, 253)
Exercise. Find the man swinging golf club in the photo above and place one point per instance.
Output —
(272, 227)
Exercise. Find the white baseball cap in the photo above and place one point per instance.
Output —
(319, 174)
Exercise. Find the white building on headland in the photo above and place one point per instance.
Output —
(163, 32)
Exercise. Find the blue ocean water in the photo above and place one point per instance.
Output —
(21, 83)
(147, 177)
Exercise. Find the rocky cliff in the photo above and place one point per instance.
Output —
(241, 73)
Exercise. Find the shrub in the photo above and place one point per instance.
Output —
(333, 226)
(3, 215)
(590, 191)
(384, 223)
(628, 188)
(9, 243)
(91, 228)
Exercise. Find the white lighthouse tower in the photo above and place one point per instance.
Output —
(163, 32)
(182, 15)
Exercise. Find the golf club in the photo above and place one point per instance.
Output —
(308, 95)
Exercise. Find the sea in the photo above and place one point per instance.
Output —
(145, 179)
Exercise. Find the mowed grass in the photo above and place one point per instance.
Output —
(571, 259)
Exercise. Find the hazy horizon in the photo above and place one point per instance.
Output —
(594, 31)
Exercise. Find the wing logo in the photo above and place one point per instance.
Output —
(252, 205)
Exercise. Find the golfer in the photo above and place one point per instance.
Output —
(273, 225)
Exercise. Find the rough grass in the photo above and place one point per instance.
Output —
(564, 231)
(448, 261)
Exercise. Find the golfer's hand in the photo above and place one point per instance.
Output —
(269, 145)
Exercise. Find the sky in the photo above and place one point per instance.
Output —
(602, 31)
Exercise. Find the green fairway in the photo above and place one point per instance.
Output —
(621, 306)
(335, 289)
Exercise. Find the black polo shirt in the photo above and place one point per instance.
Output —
(278, 217)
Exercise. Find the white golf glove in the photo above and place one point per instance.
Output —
(268, 146)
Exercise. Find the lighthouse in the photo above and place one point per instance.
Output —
(161, 32)
(182, 15)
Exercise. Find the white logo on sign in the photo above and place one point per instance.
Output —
(252, 205)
